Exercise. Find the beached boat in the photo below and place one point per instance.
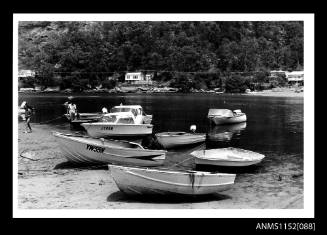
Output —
(227, 157)
(117, 124)
(226, 116)
(225, 132)
(137, 110)
(175, 139)
(138, 181)
(87, 150)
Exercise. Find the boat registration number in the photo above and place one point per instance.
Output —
(107, 128)
(95, 148)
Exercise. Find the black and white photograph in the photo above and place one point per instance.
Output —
(163, 115)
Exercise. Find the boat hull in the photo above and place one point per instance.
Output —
(227, 157)
(220, 120)
(85, 150)
(138, 181)
(176, 139)
(101, 129)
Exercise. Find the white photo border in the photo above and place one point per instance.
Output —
(306, 212)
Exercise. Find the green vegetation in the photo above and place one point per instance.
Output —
(188, 55)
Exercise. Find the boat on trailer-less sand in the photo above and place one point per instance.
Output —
(226, 116)
(139, 181)
(87, 150)
(227, 157)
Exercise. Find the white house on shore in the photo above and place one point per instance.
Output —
(275, 73)
(25, 73)
(295, 77)
(138, 78)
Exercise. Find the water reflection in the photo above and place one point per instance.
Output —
(224, 133)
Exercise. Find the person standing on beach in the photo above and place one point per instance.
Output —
(28, 115)
(72, 111)
(104, 110)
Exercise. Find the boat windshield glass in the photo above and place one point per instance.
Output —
(117, 110)
(126, 120)
(111, 118)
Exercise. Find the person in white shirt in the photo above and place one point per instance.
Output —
(104, 110)
(72, 111)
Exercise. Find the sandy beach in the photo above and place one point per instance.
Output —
(47, 181)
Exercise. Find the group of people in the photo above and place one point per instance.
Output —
(71, 110)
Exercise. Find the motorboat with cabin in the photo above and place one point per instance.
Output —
(118, 124)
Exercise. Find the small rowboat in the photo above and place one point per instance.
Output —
(226, 116)
(139, 181)
(175, 139)
(87, 150)
(227, 157)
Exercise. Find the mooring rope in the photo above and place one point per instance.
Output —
(186, 153)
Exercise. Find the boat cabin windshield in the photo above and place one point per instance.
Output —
(111, 118)
(134, 111)
(126, 120)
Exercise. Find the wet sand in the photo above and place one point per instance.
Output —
(47, 181)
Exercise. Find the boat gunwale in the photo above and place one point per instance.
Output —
(114, 124)
(184, 172)
(65, 136)
(171, 134)
(181, 184)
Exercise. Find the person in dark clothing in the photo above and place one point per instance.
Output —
(28, 115)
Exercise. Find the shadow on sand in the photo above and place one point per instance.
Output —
(163, 199)
(231, 169)
(70, 165)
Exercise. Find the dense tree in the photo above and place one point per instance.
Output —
(86, 53)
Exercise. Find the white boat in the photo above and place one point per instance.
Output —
(117, 124)
(175, 139)
(86, 150)
(138, 181)
(226, 116)
(227, 157)
(225, 132)
(137, 110)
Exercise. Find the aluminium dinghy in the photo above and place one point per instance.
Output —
(226, 116)
(176, 139)
(87, 150)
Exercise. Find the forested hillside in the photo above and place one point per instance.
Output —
(75, 54)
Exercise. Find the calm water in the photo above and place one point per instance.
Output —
(274, 126)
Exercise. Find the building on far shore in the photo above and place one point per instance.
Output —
(295, 78)
(276, 73)
(139, 78)
(25, 73)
